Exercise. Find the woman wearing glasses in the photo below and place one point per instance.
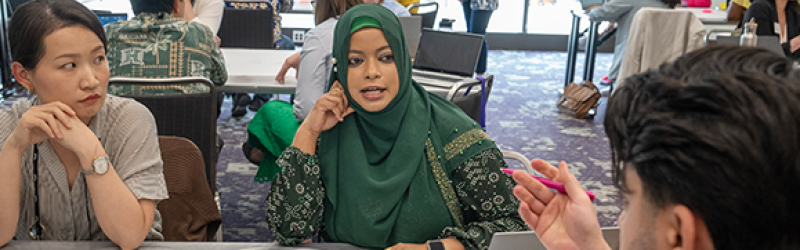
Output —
(77, 163)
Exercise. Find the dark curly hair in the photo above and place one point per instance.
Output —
(718, 131)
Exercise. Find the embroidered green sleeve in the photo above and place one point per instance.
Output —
(295, 202)
(487, 200)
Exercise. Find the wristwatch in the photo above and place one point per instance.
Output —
(435, 245)
(99, 166)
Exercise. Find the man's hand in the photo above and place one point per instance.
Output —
(562, 221)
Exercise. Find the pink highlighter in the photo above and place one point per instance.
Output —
(552, 184)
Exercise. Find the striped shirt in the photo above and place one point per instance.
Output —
(127, 131)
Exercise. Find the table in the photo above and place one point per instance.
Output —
(712, 19)
(107, 245)
(254, 71)
(708, 16)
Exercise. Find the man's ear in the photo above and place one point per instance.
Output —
(22, 75)
(687, 231)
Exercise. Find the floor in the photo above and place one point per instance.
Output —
(521, 117)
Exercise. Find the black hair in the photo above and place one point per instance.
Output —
(34, 20)
(152, 6)
(717, 130)
(671, 3)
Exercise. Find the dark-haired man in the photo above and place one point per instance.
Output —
(158, 43)
(705, 153)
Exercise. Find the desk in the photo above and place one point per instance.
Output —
(107, 245)
(254, 71)
(712, 19)
(708, 16)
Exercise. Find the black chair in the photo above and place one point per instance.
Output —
(247, 28)
(428, 18)
(471, 102)
(193, 116)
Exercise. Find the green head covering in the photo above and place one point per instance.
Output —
(379, 181)
(364, 22)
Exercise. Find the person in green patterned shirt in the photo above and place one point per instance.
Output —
(379, 162)
(158, 43)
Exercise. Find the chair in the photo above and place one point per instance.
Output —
(652, 43)
(470, 101)
(247, 28)
(521, 159)
(428, 18)
(190, 214)
(193, 116)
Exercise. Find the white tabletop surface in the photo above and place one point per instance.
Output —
(254, 70)
(707, 15)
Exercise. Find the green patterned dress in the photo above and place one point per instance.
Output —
(483, 194)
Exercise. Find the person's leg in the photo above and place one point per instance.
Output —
(286, 43)
(240, 102)
(467, 14)
(480, 20)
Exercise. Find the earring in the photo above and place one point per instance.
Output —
(31, 91)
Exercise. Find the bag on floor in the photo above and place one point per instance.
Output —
(578, 99)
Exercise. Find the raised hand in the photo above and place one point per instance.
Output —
(562, 221)
(330, 109)
(42, 122)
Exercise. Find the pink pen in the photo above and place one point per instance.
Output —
(552, 184)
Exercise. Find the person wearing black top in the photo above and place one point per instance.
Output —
(765, 14)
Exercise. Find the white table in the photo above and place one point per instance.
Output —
(254, 71)
(713, 19)
(708, 16)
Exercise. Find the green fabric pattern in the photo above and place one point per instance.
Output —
(384, 152)
(378, 177)
(271, 130)
(295, 203)
(154, 46)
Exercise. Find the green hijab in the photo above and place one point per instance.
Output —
(380, 184)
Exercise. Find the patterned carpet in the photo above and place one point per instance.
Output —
(521, 117)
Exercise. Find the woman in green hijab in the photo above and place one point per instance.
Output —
(381, 163)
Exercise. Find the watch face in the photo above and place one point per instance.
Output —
(100, 165)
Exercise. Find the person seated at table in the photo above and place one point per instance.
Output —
(736, 9)
(78, 164)
(158, 43)
(379, 162)
(241, 101)
(274, 125)
(778, 18)
(621, 12)
(704, 153)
